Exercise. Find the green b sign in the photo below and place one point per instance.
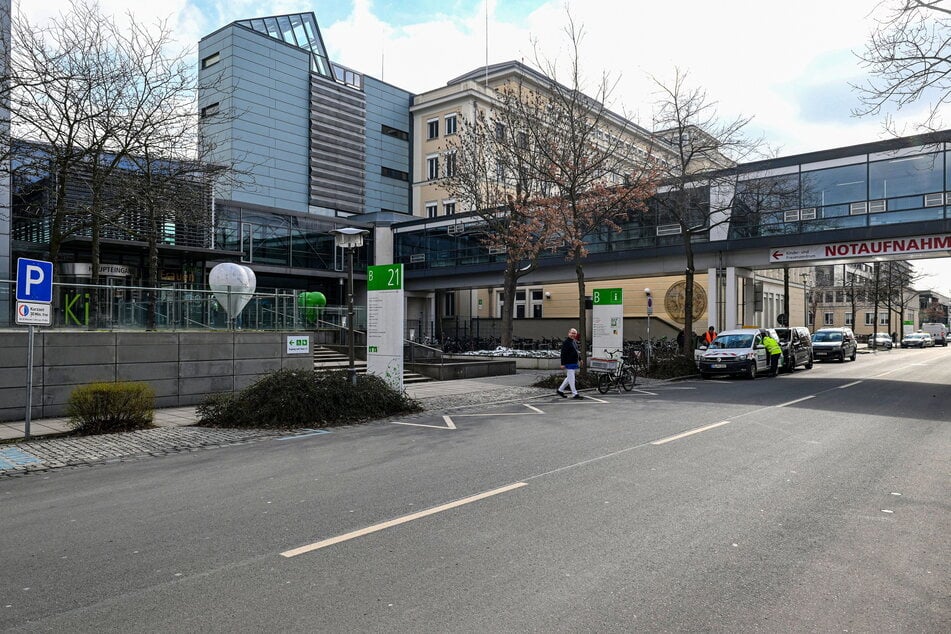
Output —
(385, 277)
(603, 296)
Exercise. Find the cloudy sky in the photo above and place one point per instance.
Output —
(789, 65)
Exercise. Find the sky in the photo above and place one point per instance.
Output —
(790, 66)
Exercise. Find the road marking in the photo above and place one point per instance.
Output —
(842, 387)
(307, 434)
(400, 520)
(449, 424)
(798, 400)
(698, 430)
(534, 411)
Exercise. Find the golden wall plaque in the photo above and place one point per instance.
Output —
(675, 301)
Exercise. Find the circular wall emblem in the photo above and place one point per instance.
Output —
(675, 301)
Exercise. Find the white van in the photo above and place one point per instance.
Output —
(939, 332)
(735, 352)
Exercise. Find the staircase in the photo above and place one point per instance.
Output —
(326, 359)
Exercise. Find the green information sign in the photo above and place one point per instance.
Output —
(385, 277)
(604, 296)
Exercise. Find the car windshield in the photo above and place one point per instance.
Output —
(724, 342)
(913, 337)
(827, 336)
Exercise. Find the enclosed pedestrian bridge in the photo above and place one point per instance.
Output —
(877, 201)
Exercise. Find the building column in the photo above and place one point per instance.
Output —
(713, 299)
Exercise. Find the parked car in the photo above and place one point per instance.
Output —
(796, 343)
(939, 332)
(735, 352)
(917, 340)
(834, 343)
(880, 340)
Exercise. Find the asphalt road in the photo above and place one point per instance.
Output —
(817, 501)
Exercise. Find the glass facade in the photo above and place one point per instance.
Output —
(896, 190)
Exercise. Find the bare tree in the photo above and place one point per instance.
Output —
(909, 59)
(587, 157)
(490, 170)
(698, 187)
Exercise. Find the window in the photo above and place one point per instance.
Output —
(209, 110)
(450, 124)
(432, 167)
(840, 297)
(883, 319)
(449, 304)
(433, 128)
(500, 131)
(392, 173)
(848, 319)
(450, 164)
(431, 210)
(449, 207)
(828, 319)
(834, 186)
(211, 60)
(395, 133)
(869, 319)
(905, 176)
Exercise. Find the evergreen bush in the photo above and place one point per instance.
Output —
(289, 399)
(108, 408)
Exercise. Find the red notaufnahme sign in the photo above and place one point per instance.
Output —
(863, 248)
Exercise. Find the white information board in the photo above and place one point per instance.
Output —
(385, 323)
(607, 327)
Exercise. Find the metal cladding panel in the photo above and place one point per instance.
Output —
(337, 146)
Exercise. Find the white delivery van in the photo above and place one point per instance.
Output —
(735, 352)
(939, 332)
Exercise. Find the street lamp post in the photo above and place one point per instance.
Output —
(650, 311)
(350, 238)
(805, 314)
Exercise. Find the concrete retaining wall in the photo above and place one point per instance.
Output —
(470, 369)
(183, 368)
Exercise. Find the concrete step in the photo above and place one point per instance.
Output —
(330, 360)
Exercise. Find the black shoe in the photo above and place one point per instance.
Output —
(561, 394)
(573, 396)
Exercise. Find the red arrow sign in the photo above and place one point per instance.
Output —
(777, 255)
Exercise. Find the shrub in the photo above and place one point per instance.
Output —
(673, 367)
(107, 408)
(289, 399)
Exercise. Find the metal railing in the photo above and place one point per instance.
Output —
(114, 307)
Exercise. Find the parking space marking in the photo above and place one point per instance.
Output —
(842, 387)
(691, 432)
(535, 411)
(400, 520)
(449, 424)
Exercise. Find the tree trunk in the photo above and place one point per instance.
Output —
(509, 284)
(688, 297)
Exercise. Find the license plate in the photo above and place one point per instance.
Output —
(717, 365)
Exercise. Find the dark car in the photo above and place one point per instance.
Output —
(796, 343)
(834, 344)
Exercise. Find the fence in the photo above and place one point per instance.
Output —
(109, 307)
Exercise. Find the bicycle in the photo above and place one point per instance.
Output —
(623, 374)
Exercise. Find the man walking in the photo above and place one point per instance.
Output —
(570, 363)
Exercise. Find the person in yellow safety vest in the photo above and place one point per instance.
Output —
(774, 352)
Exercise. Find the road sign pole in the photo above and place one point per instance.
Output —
(29, 385)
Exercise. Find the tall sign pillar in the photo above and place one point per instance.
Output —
(607, 322)
(385, 323)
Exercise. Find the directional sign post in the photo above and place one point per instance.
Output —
(607, 322)
(385, 323)
(34, 294)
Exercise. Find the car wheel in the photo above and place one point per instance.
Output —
(790, 364)
(854, 353)
(809, 363)
(751, 371)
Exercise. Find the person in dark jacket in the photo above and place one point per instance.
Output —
(569, 362)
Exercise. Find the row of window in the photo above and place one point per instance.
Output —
(432, 126)
(432, 165)
(448, 208)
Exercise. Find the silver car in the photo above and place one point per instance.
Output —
(881, 341)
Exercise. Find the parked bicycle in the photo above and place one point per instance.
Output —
(622, 374)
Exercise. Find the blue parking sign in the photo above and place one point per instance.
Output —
(34, 281)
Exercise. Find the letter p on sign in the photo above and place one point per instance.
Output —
(34, 281)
